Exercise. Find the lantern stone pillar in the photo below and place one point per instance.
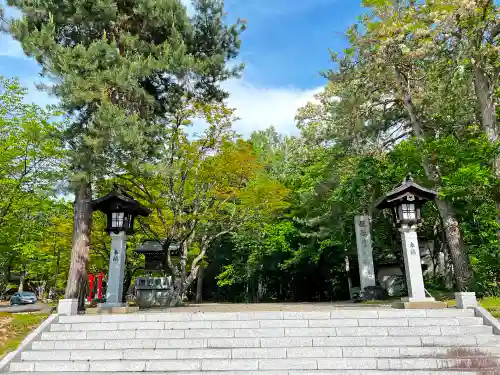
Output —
(117, 257)
(413, 265)
(120, 210)
(365, 252)
(406, 201)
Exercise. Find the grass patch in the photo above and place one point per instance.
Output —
(15, 327)
(492, 304)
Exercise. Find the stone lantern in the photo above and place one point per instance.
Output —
(405, 203)
(120, 210)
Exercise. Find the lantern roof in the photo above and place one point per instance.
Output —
(117, 200)
(155, 246)
(408, 190)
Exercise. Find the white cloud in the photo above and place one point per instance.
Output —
(189, 6)
(10, 47)
(259, 108)
(36, 96)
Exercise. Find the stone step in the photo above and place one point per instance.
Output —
(253, 353)
(256, 324)
(387, 341)
(169, 366)
(142, 332)
(293, 372)
(268, 315)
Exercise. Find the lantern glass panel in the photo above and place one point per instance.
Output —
(117, 219)
(129, 221)
(408, 210)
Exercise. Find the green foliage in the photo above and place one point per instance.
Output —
(271, 218)
(31, 158)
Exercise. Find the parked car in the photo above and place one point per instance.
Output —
(23, 298)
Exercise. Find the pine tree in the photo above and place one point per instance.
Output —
(118, 66)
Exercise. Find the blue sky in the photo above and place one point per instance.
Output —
(284, 48)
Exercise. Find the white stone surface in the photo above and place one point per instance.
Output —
(261, 332)
(413, 265)
(241, 324)
(233, 343)
(61, 366)
(290, 364)
(160, 334)
(488, 319)
(347, 363)
(258, 353)
(310, 332)
(179, 344)
(340, 341)
(347, 342)
(67, 307)
(371, 352)
(306, 315)
(381, 322)
(208, 333)
(365, 252)
(316, 352)
(97, 355)
(182, 365)
(466, 300)
(204, 353)
(81, 319)
(115, 366)
(281, 342)
(354, 314)
(131, 344)
(335, 323)
(188, 325)
(149, 354)
(114, 289)
(61, 336)
(76, 344)
(46, 355)
(465, 330)
(230, 365)
(283, 323)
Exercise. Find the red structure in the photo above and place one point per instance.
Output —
(91, 287)
(100, 277)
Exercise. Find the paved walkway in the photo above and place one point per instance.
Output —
(42, 307)
(242, 307)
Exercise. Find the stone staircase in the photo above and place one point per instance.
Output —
(339, 341)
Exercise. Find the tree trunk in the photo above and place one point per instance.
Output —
(448, 275)
(182, 265)
(458, 252)
(126, 284)
(486, 107)
(81, 242)
(21, 281)
(199, 284)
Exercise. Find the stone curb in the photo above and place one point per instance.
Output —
(4, 363)
(488, 319)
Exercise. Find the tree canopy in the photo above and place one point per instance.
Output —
(270, 217)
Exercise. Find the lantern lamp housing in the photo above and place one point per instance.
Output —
(120, 210)
(406, 201)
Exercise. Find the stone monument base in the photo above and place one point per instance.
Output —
(67, 307)
(428, 303)
(412, 299)
(466, 300)
(111, 309)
